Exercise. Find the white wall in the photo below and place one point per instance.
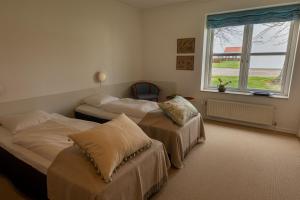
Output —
(63, 103)
(163, 26)
(55, 46)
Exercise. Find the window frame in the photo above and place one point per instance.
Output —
(287, 69)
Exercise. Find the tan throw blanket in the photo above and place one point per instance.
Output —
(72, 177)
(177, 140)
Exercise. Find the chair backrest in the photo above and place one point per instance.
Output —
(154, 89)
(144, 88)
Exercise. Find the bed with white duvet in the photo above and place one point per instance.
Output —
(111, 107)
(178, 140)
(50, 137)
(37, 140)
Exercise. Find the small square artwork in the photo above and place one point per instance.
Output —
(185, 63)
(186, 45)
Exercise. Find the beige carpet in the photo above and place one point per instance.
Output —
(238, 163)
(235, 163)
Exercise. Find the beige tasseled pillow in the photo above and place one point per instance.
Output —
(109, 145)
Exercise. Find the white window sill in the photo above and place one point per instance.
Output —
(277, 96)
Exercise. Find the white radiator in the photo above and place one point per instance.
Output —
(244, 112)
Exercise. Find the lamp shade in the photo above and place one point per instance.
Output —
(101, 76)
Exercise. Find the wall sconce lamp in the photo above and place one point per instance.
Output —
(101, 76)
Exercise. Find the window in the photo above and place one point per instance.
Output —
(255, 54)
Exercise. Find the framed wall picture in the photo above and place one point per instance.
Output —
(185, 63)
(186, 45)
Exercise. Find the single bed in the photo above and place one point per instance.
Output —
(31, 161)
(178, 140)
(23, 167)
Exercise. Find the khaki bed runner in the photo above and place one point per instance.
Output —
(71, 176)
(177, 140)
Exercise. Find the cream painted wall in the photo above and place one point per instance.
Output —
(56, 46)
(161, 28)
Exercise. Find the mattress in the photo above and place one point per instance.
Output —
(37, 161)
(101, 113)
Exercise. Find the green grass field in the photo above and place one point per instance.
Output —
(265, 83)
(227, 64)
(254, 82)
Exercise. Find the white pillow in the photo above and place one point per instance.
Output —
(18, 122)
(97, 100)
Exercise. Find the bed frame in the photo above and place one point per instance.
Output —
(85, 117)
(24, 177)
(32, 183)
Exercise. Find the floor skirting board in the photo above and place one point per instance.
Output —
(273, 128)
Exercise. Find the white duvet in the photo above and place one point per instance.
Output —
(131, 107)
(49, 138)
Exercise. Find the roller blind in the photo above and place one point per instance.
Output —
(256, 16)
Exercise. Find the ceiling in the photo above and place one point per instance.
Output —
(150, 3)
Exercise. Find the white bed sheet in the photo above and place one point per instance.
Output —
(39, 163)
(31, 158)
(131, 107)
(101, 113)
